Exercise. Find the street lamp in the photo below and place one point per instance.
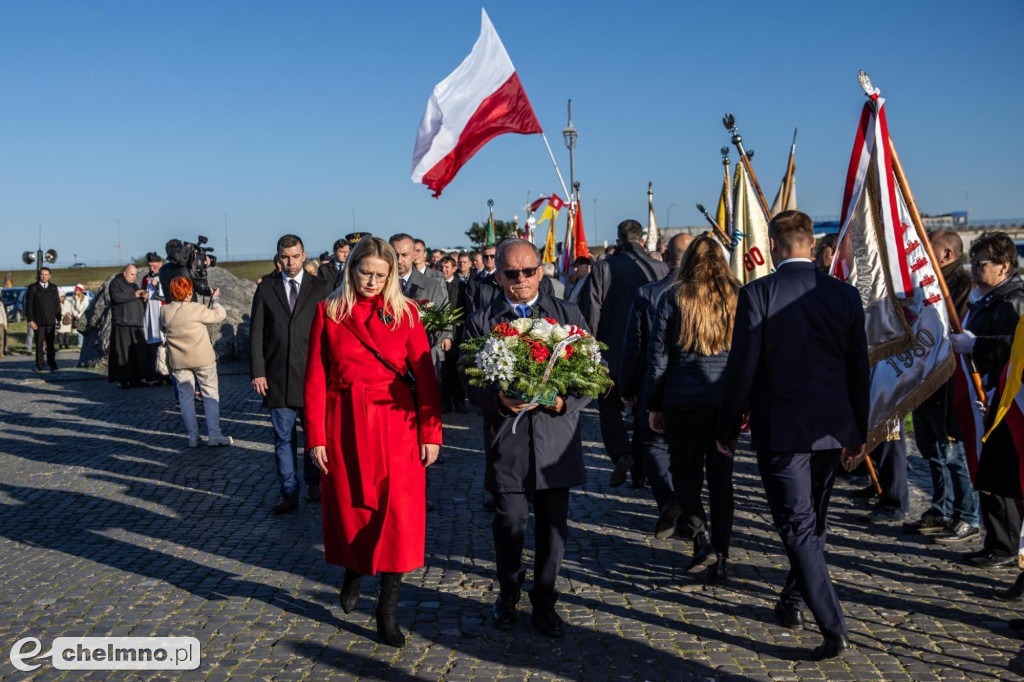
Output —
(569, 135)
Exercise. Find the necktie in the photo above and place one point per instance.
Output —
(293, 294)
(524, 310)
(405, 285)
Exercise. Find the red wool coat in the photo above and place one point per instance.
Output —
(374, 494)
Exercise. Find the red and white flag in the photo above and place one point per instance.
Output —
(968, 413)
(880, 254)
(478, 101)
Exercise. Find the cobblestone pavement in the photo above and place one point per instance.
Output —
(110, 526)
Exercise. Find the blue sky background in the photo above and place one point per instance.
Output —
(290, 116)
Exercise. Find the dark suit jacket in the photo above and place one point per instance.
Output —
(423, 287)
(42, 306)
(637, 335)
(329, 272)
(546, 451)
(608, 293)
(127, 309)
(799, 362)
(279, 338)
(458, 297)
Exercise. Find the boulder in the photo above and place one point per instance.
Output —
(230, 337)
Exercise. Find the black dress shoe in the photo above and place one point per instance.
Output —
(547, 622)
(313, 492)
(831, 647)
(1016, 624)
(993, 560)
(788, 617)
(1013, 593)
(703, 554)
(719, 572)
(666, 524)
(621, 471)
(505, 615)
(286, 505)
(865, 493)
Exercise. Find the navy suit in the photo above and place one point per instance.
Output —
(799, 363)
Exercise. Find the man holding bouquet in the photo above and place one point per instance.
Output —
(542, 459)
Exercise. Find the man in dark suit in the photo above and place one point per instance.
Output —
(647, 444)
(452, 393)
(605, 299)
(331, 271)
(801, 426)
(421, 287)
(282, 313)
(538, 464)
(42, 310)
(484, 287)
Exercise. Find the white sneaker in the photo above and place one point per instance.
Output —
(195, 441)
(219, 440)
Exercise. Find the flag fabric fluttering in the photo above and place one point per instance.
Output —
(1009, 405)
(555, 204)
(723, 215)
(969, 418)
(550, 256)
(480, 100)
(489, 239)
(651, 236)
(750, 256)
(785, 200)
(880, 253)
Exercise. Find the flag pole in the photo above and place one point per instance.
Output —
(722, 236)
(787, 190)
(554, 163)
(729, 121)
(954, 318)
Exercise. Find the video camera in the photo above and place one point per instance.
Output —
(192, 258)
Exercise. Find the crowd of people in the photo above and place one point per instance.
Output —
(338, 349)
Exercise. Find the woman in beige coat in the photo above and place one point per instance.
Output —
(191, 359)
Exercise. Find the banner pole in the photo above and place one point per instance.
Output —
(954, 318)
(729, 121)
(555, 164)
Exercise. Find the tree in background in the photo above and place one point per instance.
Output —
(477, 232)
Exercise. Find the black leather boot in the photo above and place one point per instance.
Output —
(387, 605)
(703, 554)
(350, 590)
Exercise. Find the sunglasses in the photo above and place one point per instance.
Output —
(488, 256)
(514, 274)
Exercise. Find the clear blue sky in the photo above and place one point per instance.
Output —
(289, 116)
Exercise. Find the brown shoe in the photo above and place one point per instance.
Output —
(286, 505)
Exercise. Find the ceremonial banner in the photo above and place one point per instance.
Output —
(723, 216)
(968, 413)
(651, 236)
(880, 254)
(751, 256)
(785, 200)
(549, 246)
(480, 100)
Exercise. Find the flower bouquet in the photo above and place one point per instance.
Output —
(437, 319)
(536, 360)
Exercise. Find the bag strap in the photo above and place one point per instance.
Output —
(403, 376)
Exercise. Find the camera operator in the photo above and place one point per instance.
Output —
(191, 261)
(171, 269)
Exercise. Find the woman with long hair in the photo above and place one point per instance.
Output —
(373, 426)
(690, 339)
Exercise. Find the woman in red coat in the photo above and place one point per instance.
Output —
(373, 426)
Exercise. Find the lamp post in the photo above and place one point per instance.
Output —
(569, 136)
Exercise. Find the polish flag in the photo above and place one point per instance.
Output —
(480, 100)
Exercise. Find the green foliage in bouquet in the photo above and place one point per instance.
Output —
(438, 318)
(516, 355)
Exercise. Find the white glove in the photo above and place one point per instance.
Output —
(963, 343)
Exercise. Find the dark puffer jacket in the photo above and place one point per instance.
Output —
(677, 379)
(994, 319)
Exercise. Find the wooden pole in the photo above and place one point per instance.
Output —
(753, 178)
(954, 318)
(873, 475)
(787, 189)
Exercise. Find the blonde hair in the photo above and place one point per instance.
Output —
(706, 292)
(339, 304)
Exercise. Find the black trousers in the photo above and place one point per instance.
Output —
(452, 391)
(652, 449)
(892, 476)
(1002, 522)
(551, 527)
(44, 336)
(798, 487)
(613, 426)
(692, 452)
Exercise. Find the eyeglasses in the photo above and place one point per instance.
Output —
(976, 264)
(488, 256)
(371, 276)
(514, 274)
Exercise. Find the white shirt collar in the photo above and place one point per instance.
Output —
(532, 302)
(793, 260)
(297, 278)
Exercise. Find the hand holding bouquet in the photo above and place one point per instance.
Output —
(437, 319)
(536, 359)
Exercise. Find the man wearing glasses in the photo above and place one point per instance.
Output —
(541, 461)
(485, 288)
(995, 306)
